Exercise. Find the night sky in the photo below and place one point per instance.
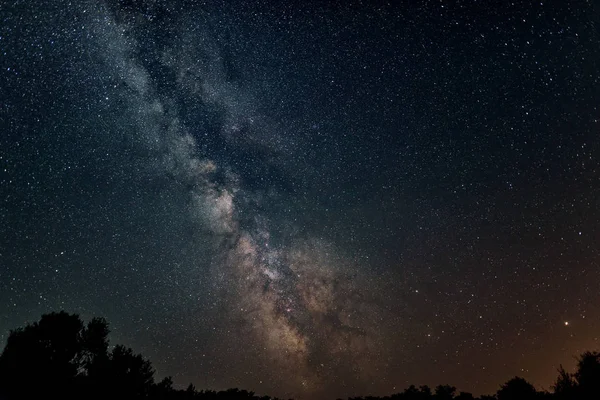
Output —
(307, 200)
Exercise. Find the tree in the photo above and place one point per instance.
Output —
(565, 386)
(95, 358)
(95, 340)
(412, 393)
(164, 389)
(444, 392)
(45, 353)
(190, 392)
(131, 376)
(517, 389)
(464, 396)
(59, 357)
(588, 375)
(425, 391)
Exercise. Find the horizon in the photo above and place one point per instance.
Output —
(66, 356)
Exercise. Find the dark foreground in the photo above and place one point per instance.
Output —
(60, 357)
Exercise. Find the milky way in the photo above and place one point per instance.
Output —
(299, 300)
(308, 201)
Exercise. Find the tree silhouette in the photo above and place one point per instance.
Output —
(46, 352)
(60, 357)
(565, 386)
(95, 362)
(464, 396)
(517, 389)
(95, 342)
(130, 375)
(588, 375)
(444, 392)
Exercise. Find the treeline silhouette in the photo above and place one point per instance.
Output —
(60, 357)
(584, 384)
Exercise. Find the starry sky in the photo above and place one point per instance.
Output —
(309, 200)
